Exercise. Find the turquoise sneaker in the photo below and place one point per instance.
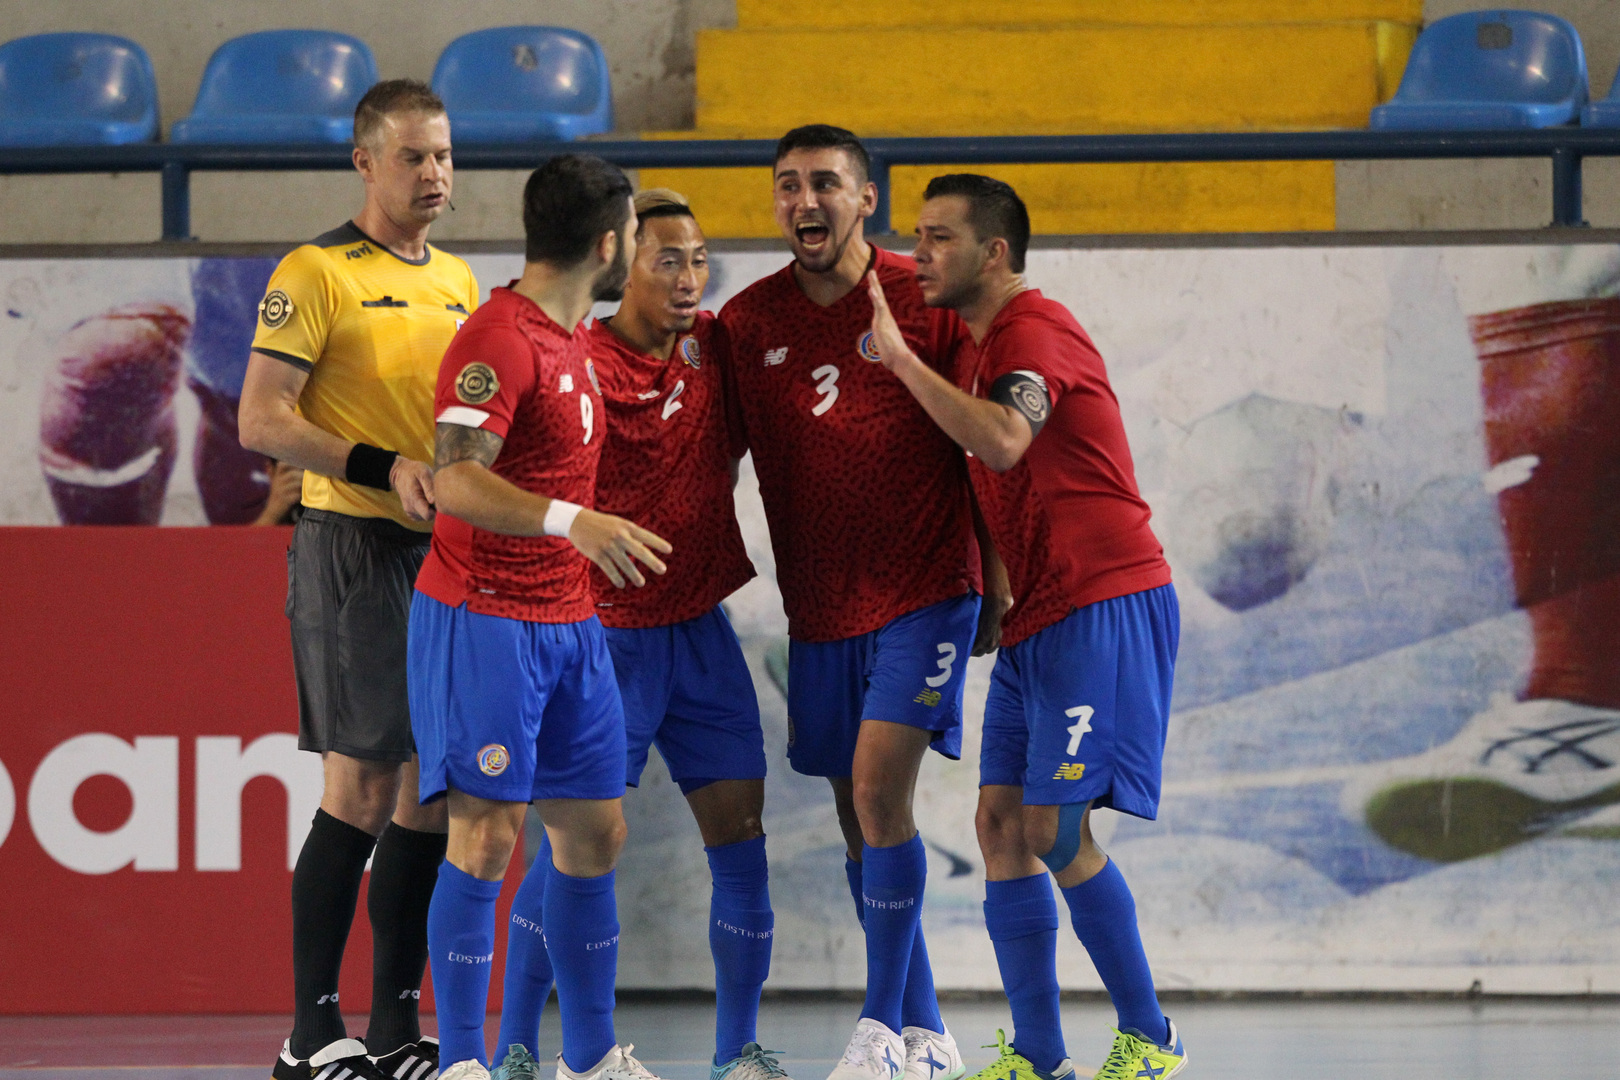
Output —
(1137, 1058)
(754, 1063)
(519, 1065)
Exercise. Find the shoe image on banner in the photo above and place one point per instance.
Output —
(1518, 770)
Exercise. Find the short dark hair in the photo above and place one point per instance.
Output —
(658, 203)
(994, 210)
(389, 97)
(568, 203)
(827, 137)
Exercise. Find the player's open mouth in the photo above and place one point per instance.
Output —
(684, 307)
(812, 234)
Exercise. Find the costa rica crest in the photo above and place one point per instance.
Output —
(691, 352)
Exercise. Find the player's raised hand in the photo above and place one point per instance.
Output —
(414, 482)
(891, 344)
(616, 545)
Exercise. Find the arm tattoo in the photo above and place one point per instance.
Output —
(1026, 392)
(458, 442)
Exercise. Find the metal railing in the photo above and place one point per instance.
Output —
(1566, 147)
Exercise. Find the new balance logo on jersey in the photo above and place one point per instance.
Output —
(929, 698)
(648, 396)
(774, 357)
(1070, 770)
(566, 384)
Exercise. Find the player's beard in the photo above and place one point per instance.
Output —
(609, 284)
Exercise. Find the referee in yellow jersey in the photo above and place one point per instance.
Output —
(340, 383)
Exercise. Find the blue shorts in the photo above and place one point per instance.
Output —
(911, 670)
(511, 710)
(1078, 711)
(687, 690)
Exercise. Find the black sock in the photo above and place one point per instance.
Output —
(326, 887)
(402, 879)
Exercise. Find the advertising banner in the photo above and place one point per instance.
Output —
(1388, 483)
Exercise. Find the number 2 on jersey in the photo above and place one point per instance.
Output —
(827, 387)
(673, 405)
(1082, 724)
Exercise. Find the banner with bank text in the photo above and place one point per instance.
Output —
(1387, 480)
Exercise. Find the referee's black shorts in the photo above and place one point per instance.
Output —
(349, 587)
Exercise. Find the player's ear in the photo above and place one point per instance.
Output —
(995, 251)
(607, 247)
(362, 161)
(869, 199)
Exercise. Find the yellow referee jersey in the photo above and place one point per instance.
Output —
(370, 328)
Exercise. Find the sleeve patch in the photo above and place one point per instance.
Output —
(477, 384)
(465, 417)
(275, 309)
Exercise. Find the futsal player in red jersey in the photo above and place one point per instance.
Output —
(870, 520)
(512, 692)
(685, 684)
(1080, 696)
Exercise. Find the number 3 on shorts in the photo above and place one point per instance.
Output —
(947, 660)
(1082, 724)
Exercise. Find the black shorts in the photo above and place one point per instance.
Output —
(349, 587)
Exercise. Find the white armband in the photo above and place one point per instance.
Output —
(560, 517)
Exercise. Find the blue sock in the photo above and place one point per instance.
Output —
(919, 1005)
(461, 946)
(1022, 918)
(892, 880)
(741, 926)
(582, 938)
(528, 968)
(1104, 916)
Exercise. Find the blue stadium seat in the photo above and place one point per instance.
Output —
(1604, 113)
(75, 90)
(524, 84)
(1488, 70)
(280, 86)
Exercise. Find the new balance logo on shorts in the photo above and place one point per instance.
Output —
(929, 698)
(1070, 770)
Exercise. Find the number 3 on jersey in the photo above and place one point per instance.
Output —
(827, 387)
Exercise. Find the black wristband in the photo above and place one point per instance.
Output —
(369, 465)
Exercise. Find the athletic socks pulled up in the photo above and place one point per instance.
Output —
(741, 927)
(1022, 919)
(582, 939)
(528, 967)
(461, 940)
(919, 1007)
(1104, 916)
(892, 881)
(325, 891)
(403, 873)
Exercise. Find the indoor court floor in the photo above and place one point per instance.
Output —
(1482, 1039)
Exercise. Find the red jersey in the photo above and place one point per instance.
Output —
(666, 465)
(866, 498)
(1067, 519)
(510, 370)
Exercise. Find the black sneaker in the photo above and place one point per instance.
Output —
(413, 1061)
(342, 1060)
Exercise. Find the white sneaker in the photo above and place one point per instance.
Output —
(471, 1069)
(932, 1055)
(1515, 771)
(616, 1064)
(874, 1053)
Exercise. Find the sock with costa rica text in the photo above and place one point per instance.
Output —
(461, 942)
(741, 926)
(582, 939)
(892, 881)
(919, 1006)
